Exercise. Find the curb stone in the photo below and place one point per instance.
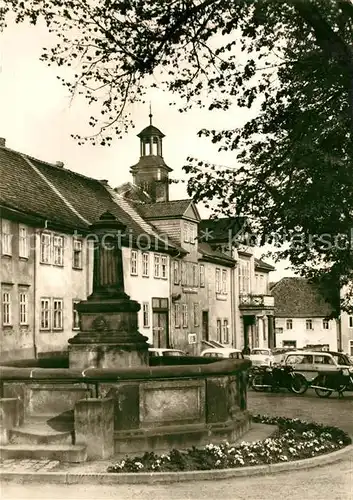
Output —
(109, 478)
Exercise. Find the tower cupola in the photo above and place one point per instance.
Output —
(151, 174)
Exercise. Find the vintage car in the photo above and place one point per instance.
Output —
(163, 351)
(310, 363)
(261, 357)
(222, 352)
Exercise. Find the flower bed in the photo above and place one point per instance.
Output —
(294, 440)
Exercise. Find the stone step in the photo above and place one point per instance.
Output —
(60, 452)
(38, 432)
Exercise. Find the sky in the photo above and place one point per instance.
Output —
(37, 117)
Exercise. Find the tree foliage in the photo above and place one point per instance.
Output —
(292, 172)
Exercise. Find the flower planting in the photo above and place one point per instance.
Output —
(294, 440)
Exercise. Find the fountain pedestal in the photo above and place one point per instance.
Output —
(109, 336)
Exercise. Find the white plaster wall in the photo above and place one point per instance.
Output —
(143, 289)
(303, 336)
(62, 283)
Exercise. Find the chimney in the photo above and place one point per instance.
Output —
(60, 164)
(2, 142)
(104, 182)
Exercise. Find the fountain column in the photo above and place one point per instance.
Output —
(108, 336)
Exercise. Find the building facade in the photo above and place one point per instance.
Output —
(302, 316)
(47, 261)
(194, 283)
(219, 292)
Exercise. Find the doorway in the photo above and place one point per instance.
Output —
(160, 329)
(205, 326)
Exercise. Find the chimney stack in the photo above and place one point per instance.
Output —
(2, 142)
(104, 182)
(60, 164)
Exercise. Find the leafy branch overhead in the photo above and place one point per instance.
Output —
(291, 62)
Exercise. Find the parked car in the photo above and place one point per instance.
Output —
(261, 357)
(222, 352)
(161, 351)
(310, 363)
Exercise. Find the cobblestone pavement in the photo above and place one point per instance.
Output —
(331, 411)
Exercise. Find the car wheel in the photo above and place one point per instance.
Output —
(299, 384)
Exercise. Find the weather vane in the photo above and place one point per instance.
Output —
(150, 115)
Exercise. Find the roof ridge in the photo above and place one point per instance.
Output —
(55, 189)
(61, 169)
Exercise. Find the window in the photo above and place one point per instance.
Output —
(164, 266)
(183, 273)
(244, 277)
(177, 315)
(225, 332)
(133, 263)
(185, 315)
(145, 264)
(176, 272)
(323, 360)
(45, 314)
(219, 330)
(75, 316)
(195, 275)
(192, 233)
(218, 280)
(186, 232)
(6, 240)
(146, 314)
(23, 301)
(57, 314)
(157, 266)
(196, 314)
(309, 324)
(351, 347)
(289, 324)
(224, 281)
(202, 275)
(350, 321)
(22, 242)
(6, 309)
(45, 248)
(325, 324)
(77, 254)
(289, 343)
(58, 250)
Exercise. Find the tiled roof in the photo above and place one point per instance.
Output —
(132, 192)
(260, 264)
(60, 195)
(174, 208)
(298, 298)
(219, 230)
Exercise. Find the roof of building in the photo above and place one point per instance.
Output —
(262, 265)
(60, 196)
(221, 230)
(133, 193)
(150, 130)
(150, 161)
(298, 298)
(215, 255)
(164, 209)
